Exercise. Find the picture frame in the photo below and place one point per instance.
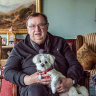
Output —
(16, 28)
(11, 31)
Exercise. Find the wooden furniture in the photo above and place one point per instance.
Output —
(3, 62)
(11, 34)
(10, 87)
(2, 80)
(6, 51)
(90, 39)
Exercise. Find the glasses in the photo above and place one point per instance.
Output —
(41, 26)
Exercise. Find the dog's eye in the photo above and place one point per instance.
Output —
(45, 62)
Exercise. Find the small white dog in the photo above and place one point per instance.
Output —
(44, 63)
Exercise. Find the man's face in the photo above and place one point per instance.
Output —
(37, 29)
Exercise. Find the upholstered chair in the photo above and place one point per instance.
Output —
(86, 51)
(13, 89)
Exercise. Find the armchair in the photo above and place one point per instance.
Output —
(14, 89)
(90, 40)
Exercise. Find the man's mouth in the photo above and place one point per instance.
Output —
(38, 34)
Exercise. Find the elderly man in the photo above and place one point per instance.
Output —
(21, 71)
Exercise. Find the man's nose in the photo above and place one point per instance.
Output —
(37, 28)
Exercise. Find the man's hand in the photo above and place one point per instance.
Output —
(65, 85)
(30, 79)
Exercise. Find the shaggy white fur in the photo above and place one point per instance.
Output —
(44, 62)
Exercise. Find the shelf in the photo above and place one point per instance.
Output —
(6, 50)
(16, 31)
(5, 47)
(3, 62)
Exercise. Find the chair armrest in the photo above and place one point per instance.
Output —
(84, 81)
(15, 90)
(1, 76)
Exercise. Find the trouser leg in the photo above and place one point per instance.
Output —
(37, 90)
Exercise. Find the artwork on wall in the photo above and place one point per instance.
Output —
(14, 12)
(4, 41)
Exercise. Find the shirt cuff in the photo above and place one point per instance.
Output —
(22, 79)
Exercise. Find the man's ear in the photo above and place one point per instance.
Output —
(47, 26)
(51, 58)
(35, 59)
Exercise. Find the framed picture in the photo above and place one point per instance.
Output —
(4, 41)
(14, 12)
(11, 39)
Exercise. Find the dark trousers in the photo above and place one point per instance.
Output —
(36, 90)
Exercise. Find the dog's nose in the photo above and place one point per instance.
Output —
(42, 65)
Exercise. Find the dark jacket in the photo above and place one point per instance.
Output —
(20, 62)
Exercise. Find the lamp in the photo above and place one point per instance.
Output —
(11, 30)
(11, 36)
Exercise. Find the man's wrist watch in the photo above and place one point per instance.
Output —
(73, 81)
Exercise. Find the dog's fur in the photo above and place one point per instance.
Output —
(44, 62)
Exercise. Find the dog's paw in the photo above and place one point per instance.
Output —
(53, 90)
(73, 92)
(82, 90)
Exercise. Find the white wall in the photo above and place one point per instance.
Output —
(69, 18)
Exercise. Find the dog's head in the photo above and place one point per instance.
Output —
(43, 61)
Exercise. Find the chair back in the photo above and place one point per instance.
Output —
(89, 38)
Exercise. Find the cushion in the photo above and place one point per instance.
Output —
(86, 57)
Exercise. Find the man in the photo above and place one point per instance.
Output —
(20, 69)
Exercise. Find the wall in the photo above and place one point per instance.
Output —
(69, 18)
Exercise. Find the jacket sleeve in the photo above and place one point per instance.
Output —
(75, 69)
(12, 70)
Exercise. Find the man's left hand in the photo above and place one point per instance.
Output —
(65, 85)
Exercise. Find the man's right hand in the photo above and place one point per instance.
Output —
(30, 79)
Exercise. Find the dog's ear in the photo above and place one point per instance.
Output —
(35, 59)
(51, 58)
